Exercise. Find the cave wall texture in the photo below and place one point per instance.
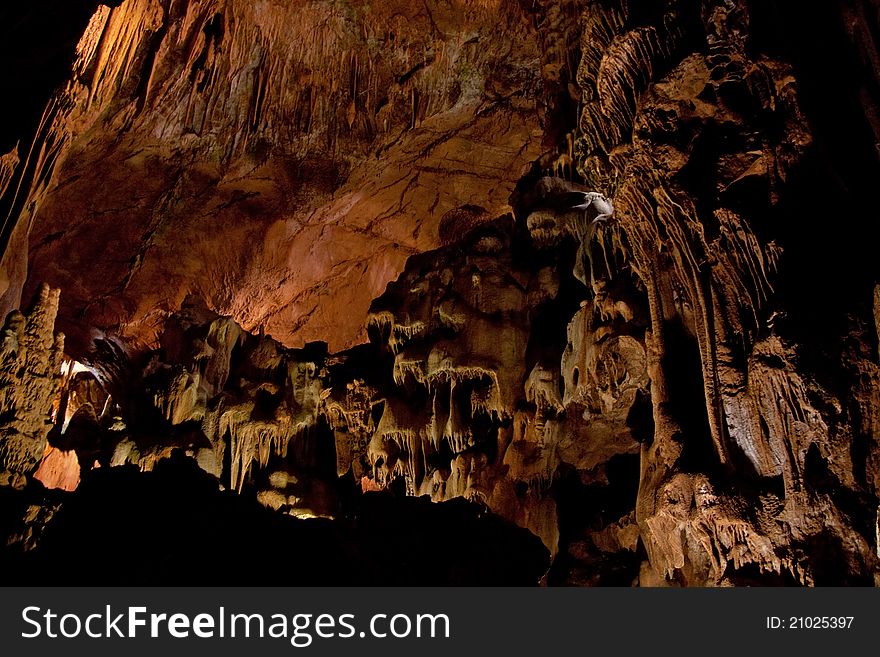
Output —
(314, 260)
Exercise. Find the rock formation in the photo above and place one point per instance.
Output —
(652, 118)
(30, 372)
(328, 140)
(330, 259)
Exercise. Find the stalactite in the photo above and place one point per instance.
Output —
(255, 441)
(601, 26)
(706, 273)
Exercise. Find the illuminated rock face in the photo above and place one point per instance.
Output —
(685, 393)
(281, 160)
(244, 407)
(480, 407)
(30, 372)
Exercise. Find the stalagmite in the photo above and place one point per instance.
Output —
(30, 375)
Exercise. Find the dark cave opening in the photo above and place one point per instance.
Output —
(687, 404)
(588, 508)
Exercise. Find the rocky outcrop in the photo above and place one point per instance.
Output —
(243, 406)
(658, 120)
(30, 372)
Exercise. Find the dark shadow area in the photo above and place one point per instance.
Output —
(173, 526)
(585, 510)
(37, 46)
(825, 220)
